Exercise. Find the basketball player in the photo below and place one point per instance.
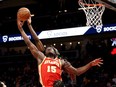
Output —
(49, 66)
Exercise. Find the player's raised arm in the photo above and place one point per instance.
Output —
(78, 71)
(39, 44)
(35, 52)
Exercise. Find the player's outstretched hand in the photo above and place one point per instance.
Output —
(97, 62)
(20, 23)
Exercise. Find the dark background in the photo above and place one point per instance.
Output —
(46, 15)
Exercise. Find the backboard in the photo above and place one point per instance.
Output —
(110, 4)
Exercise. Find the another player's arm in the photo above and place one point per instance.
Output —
(35, 52)
(73, 78)
(38, 43)
(78, 71)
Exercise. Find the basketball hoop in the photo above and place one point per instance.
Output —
(93, 11)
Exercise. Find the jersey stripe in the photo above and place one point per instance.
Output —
(41, 72)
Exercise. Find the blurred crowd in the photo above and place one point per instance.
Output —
(20, 69)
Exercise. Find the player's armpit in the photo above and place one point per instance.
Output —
(36, 53)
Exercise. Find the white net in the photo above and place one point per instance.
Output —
(113, 1)
(93, 12)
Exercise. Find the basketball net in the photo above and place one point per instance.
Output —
(93, 11)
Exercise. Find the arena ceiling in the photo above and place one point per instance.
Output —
(47, 15)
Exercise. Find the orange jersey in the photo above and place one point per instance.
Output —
(49, 71)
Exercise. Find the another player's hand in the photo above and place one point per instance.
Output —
(20, 23)
(96, 62)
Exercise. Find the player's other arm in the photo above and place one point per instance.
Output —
(78, 71)
(96, 62)
(35, 52)
(39, 44)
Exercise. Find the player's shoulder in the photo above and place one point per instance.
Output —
(64, 60)
(65, 63)
(42, 61)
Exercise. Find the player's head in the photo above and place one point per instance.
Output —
(58, 83)
(51, 52)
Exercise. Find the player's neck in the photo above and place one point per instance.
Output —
(51, 57)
